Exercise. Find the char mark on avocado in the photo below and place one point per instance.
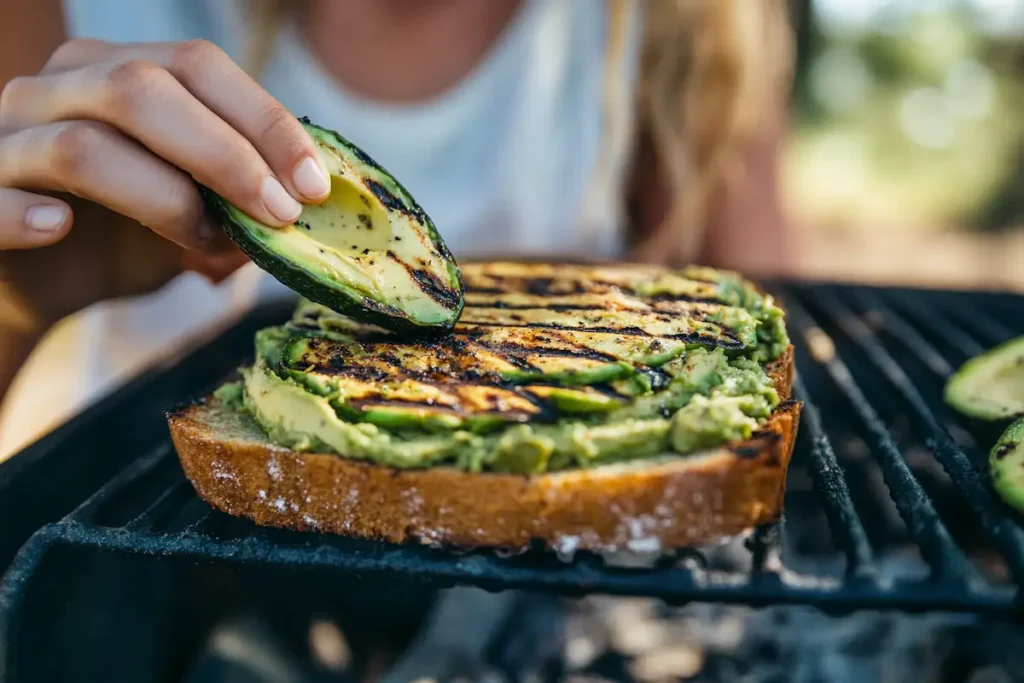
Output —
(365, 158)
(391, 202)
(386, 309)
(1002, 451)
(509, 354)
(727, 340)
(539, 286)
(560, 308)
(608, 391)
(724, 339)
(542, 286)
(546, 414)
(521, 349)
(429, 283)
(655, 299)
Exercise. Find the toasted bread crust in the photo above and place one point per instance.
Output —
(646, 505)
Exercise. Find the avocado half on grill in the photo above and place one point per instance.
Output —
(369, 251)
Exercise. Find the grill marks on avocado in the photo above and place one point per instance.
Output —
(428, 281)
(544, 280)
(695, 327)
(393, 203)
(368, 250)
(520, 352)
(439, 377)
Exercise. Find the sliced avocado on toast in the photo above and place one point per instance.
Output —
(590, 430)
(614, 406)
(609, 372)
(990, 386)
(369, 251)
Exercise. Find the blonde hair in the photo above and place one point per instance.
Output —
(709, 71)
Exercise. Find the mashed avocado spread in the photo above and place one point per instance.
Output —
(551, 367)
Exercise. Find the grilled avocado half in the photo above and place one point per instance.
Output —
(369, 251)
(1006, 463)
(990, 386)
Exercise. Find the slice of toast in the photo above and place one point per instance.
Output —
(645, 505)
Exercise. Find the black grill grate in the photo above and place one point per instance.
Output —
(871, 366)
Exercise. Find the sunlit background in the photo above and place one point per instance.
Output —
(906, 156)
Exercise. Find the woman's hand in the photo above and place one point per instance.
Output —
(109, 138)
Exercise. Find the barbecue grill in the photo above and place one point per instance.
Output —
(106, 488)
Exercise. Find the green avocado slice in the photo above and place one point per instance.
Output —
(575, 401)
(369, 251)
(1006, 463)
(990, 386)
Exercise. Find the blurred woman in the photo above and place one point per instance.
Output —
(602, 128)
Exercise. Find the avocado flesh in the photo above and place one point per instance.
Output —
(369, 251)
(990, 386)
(523, 394)
(429, 386)
(1006, 464)
(296, 418)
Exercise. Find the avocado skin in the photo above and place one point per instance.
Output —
(454, 272)
(339, 297)
(1006, 464)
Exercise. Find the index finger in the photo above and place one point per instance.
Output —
(210, 75)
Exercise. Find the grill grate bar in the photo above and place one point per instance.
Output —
(831, 482)
(941, 327)
(585, 575)
(899, 328)
(982, 322)
(122, 481)
(766, 548)
(912, 502)
(193, 517)
(193, 527)
(164, 505)
(1008, 537)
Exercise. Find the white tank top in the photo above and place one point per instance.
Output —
(505, 162)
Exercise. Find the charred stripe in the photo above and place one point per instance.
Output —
(429, 283)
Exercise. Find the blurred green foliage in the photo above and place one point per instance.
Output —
(908, 114)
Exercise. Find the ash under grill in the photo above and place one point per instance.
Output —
(882, 469)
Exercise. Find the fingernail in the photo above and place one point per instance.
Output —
(310, 179)
(46, 217)
(278, 201)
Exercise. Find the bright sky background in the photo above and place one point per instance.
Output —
(853, 16)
